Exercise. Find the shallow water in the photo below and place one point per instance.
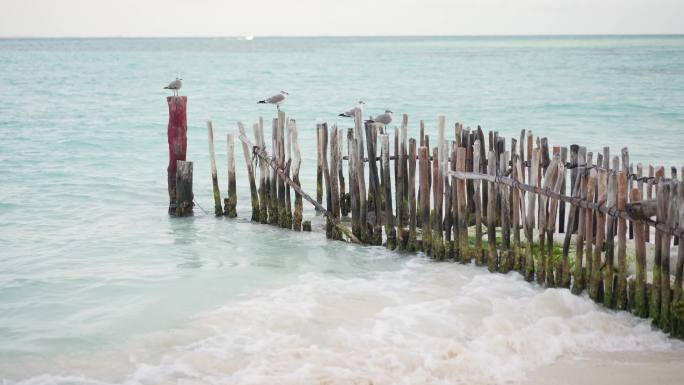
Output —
(98, 284)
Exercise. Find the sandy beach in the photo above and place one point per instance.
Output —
(624, 368)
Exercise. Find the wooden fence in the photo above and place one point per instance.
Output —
(558, 215)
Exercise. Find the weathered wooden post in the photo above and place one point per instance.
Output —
(551, 224)
(661, 216)
(231, 200)
(319, 168)
(374, 182)
(438, 194)
(258, 129)
(323, 145)
(462, 218)
(353, 183)
(529, 217)
(344, 197)
(492, 260)
(609, 244)
(671, 220)
(178, 144)
(296, 164)
(334, 180)
(561, 207)
(589, 195)
(288, 167)
(218, 210)
(575, 217)
(600, 236)
(425, 199)
(387, 188)
(640, 307)
(184, 195)
(250, 173)
(360, 176)
(679, 267)
(506, 260)
(273, 186)
(412, 242)
(283, 220)
(621, 296)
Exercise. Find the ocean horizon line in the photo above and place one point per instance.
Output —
(587, 35)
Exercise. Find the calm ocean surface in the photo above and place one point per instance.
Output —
(99, 285)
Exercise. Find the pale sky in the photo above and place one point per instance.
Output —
(90, 18)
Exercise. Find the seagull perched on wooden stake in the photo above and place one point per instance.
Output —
(175, 86)
(385, 118)
(276, 99)
(351, 113)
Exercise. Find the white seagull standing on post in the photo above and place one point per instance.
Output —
(175, 86)
(276, 99)
(351, 113)
(385, 118)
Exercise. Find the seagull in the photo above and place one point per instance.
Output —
(175, 86)
(276, 99)
(351, 113)
(385, 118)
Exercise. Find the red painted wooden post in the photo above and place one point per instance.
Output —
(178, 142)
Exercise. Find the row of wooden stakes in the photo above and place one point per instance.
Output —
(517, 195)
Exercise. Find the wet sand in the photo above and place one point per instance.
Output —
(624, 368)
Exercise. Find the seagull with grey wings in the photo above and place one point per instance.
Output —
(352, 112)
(385, 118)
(276, 99)
(175, 86)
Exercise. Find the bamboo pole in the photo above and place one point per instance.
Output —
(261, 153)
(218, 210)
(231, 200)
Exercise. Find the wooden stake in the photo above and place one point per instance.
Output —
(600, 236)
(670, 195)
(655, 300)
(412, 243)
(461, 218)
(387, 188)
(506, 260)
(577, 220)
(334, 180)
(273, 179)
(258, 129)
(425, 197)
(529, 217)
(360, 177)
(609, 245)
(184, 195)
(250, 174)
(640, 305)
(178, 144)
(492, 258)
(319, 168)
(374, 182)
(218, 210)
(231, 200)
(621, 295)
(296, 164)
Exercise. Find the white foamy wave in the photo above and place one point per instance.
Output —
(426, 324)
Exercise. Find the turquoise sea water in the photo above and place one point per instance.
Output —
(98, 283)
